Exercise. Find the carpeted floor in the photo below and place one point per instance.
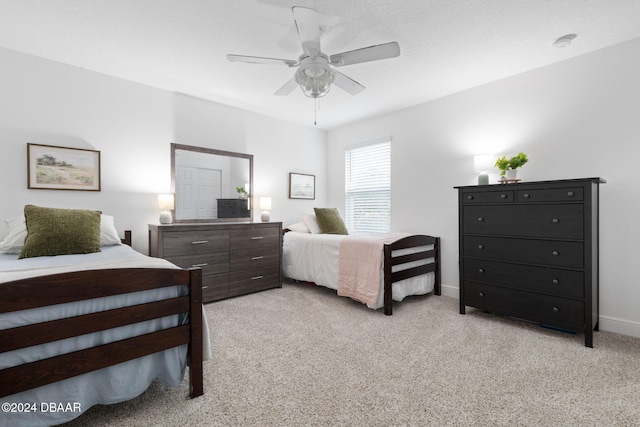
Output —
(302, 356)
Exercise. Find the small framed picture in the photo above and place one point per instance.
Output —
(60, 168)
(302, 186)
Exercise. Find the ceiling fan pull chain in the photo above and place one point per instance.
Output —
(315, 111)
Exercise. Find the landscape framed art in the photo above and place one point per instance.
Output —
(302, 186)
(61, 168)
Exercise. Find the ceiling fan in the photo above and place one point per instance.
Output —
(316, 71)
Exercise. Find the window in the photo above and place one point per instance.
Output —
(368, 187)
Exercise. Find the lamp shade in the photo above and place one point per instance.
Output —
(265, 203)
(483, 162)
(166, 202)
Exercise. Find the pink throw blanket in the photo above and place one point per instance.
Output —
(360, 266)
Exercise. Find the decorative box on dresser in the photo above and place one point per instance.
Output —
(236, 258)
(530, 250)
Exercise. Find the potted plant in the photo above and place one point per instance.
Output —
(508, 166)
(242, 192)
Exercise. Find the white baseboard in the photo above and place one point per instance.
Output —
(619, 326)
(606, 323)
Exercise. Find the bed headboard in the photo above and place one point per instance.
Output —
(127, 238)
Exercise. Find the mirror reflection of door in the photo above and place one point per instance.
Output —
(197, 190)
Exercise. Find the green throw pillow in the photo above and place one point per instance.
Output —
(53, 231)
(330, 221)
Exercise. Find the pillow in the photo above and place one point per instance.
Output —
(330, 221)
(311, 223)
(54, 231)
(12, 244)
(108, 233)
(299, 227)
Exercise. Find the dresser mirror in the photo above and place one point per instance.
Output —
(205, 183)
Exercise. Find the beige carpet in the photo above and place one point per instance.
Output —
(302, 356)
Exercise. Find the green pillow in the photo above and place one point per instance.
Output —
(330, 221)
(53, 231)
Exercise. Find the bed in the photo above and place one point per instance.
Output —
(97, 328)
(407, 264)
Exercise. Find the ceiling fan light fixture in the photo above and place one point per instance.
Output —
(564, 41)
(315, 78)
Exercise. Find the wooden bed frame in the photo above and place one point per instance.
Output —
(82, 285)
(390, 261)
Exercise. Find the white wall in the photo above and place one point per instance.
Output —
(575, 119)
(132, 126)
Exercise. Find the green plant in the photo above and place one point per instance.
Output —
(513, 163)
(241, 190)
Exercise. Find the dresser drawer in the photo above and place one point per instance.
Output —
(471, 197)
(540, 279)
(557, 311)
(254, 237)
(530, 251)
(195, 242)
(243, 282)
(551, 195)
(256, 257)
(217, 262)
(555, 221)
(215, 287)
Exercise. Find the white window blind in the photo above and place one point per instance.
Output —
(368, 188)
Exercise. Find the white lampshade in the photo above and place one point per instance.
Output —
(265, 203)
(483, 162)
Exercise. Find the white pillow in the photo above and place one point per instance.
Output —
(12, 244)
(311, 223)
(299, 227)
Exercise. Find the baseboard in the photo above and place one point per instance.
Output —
(606, 323)
(619, 326)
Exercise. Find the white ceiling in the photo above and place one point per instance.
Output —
(180, 45)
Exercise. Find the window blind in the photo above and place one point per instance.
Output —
(368, 188)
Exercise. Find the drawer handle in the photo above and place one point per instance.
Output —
(204, 264)
(480, 219)
(256, 258)
(481, 270)
(480, 247)
(205, 287)
(556, 309)
(257, 277)
(555, 220)
(469, 197)
(555, 281)
(503, 196)
(526, 195)
(481, 294)
(570, 194)
(555, 253)
(257, 238)
(200, 242)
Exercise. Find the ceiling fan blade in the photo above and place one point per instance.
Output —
(347, 83)
(261, 60)
(287, 88)
(366, 54)
(308, 26)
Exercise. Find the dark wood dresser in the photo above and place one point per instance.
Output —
(530, 250)
(236, 258)
(233, 208)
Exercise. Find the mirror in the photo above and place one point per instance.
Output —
(205, 182)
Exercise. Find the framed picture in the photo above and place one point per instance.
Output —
(61, 168)
(302, 186)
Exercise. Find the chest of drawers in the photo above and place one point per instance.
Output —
(530, 250)
(236, 258)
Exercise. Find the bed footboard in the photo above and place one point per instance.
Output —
(390, 276)
(89, 284)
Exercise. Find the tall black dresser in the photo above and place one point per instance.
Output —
(530, 250)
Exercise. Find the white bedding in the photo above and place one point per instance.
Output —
(110, 385)
(314, 258)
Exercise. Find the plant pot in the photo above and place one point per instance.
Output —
(511, 173)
